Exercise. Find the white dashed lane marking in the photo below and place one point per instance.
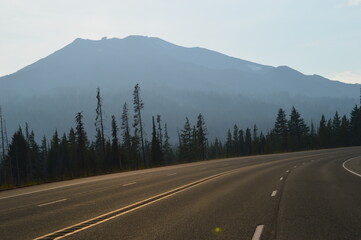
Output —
(128, 184)
(258, 233)
(57, 201)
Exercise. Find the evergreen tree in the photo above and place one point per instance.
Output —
(99, 121)
(255, 140)
(323, 133)
(53, 163)
(29, 165)
(345, 131)
(281, 130)
(73, 160)
(262, 143)
(236, 142)
(18, 154)
(336, 130)
(160, 132)
(229, 144)
(355, 126)
(65, 156)
(167, 149)
(241, 142)
(138, 126)
(43, 157)
(115, 145)
(81, 144)
(156, 151)
(202, 136)
(195, 148)
(313, 137)
(185, 148)
(329, 133)
(248, 142)
(34, 154)
(217, 149)
(98, 147)
(297, 130)
(126, 138)
(108, 155)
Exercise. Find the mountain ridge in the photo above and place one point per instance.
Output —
(191, 80)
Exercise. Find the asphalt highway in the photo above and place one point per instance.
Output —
(303, 195)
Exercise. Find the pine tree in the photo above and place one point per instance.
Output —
(248, 142)
(65, 156)
(99, 151)
(255, 140)
(185, 148)
(195, 148)
(329, 133)
(160, 132)
(53, 163)
(217, 150)
(262, 143)
(126, 138)
(99, 121)
(115, 145)
(202, 132)
(297, 130)
(313, 137)
(236, 141)
(345, 131)
(156, 152)
(43, 157)
(336, 130)
(229, 144)
(281, 130)
(355, 126)
(108, 155)
(241, 142)
(73, 160)
(138, 126)
(82, 143)
(18, 154)
(167, 149)
(323, 133)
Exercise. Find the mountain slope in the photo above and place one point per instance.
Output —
(175, 82)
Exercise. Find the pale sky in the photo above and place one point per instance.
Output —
(312, 36)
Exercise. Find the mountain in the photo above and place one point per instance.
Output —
(175, 81)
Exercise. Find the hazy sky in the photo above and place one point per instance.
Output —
(313, 36)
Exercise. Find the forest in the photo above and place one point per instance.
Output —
(24, 161)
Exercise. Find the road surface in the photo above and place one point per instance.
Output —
(303, 195)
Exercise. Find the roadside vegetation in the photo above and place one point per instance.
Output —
(23, 161)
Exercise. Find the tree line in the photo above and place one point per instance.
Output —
(23, 161)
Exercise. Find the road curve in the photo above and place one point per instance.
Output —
(302, 195)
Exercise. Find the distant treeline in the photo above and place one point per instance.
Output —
(23, 161)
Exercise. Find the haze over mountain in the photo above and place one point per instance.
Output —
(175, 81)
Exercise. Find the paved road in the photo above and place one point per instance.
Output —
(304, 195)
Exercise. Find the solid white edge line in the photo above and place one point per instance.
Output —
(258, 233)
(171, 174)
(344, 166)
(274, 193)
(44, 204)
(128, 184)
